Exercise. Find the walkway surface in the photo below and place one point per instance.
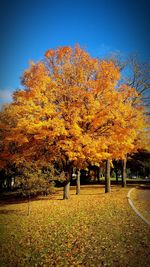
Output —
(141, 200)
(143, 194)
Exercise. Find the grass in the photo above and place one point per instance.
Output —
(93, 229)
(138, 179)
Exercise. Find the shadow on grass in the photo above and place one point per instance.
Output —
(4, 202)
(13, 212)
(86, 187)
(8, 200)
(7, 212)
(97, 189)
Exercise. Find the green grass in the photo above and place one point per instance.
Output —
(127, 179)
(93, 229)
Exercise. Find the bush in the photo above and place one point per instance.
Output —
(33, 181)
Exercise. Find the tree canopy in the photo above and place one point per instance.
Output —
(71, 108)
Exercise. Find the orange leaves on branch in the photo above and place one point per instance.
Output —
(50, 53)
(108, 72)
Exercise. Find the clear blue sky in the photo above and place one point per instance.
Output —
(29, 27)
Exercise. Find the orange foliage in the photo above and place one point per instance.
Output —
(70, 109)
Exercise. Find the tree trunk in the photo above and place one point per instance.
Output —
(98, 174)
(124, 172)
(78, 183)
(116, 172)
(107, 177)
(89, 174)
(66, 190)
(29, 205)
(95, 175)
(66, 194)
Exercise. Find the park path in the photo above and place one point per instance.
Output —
(143, 194)
(139, 200)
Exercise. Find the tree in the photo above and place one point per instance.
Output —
(70, 110)
(139, 163)
(93, 82)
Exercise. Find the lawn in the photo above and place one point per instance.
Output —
(93, 229)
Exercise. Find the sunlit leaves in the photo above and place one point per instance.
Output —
(94, 228)
(71, 107)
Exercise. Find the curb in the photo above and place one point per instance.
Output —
(134, 208)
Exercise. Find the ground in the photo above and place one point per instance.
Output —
(94, 229)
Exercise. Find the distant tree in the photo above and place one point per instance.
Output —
(135, 73)
(139, 163)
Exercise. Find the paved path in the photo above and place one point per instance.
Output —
(142, 195)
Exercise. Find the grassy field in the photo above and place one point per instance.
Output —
(93, 229)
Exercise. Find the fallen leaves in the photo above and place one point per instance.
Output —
(93, 229)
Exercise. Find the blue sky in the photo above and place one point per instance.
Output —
(29, 27)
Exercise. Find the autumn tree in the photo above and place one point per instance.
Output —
(72, 110)
(86, 85)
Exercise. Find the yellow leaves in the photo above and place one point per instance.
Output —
(36, 76)
(71, 155)
(70, 106)
(75, 130)
(87, 229)
(128, 93)
(109, 71)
